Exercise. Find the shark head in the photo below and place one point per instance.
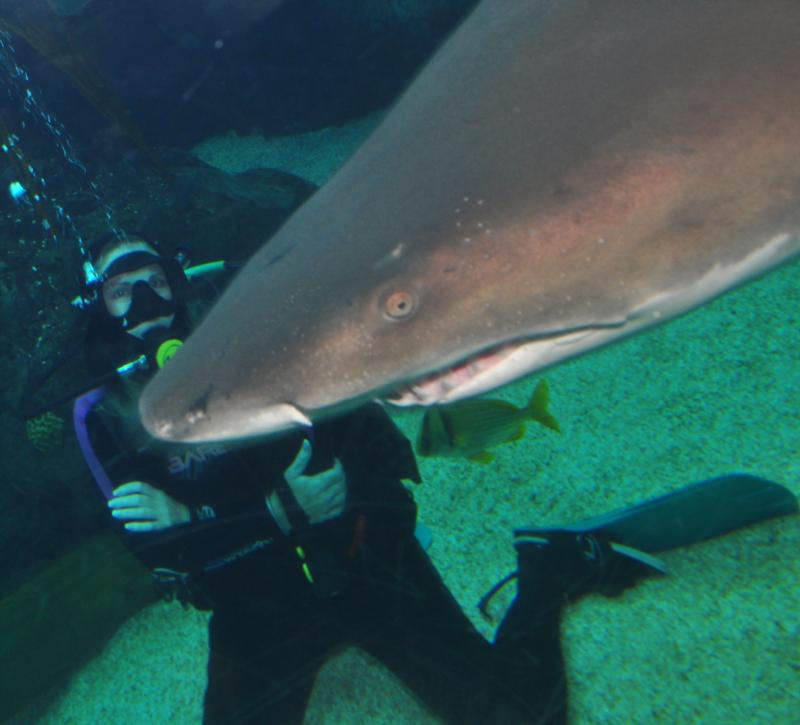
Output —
(518, 207)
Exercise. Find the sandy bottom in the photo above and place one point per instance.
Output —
(717, 641)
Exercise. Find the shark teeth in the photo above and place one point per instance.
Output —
(443, 384)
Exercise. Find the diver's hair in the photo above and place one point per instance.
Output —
(110, 240)
(98, 244)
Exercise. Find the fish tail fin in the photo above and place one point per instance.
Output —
(537, 407)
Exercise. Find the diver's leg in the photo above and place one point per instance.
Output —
(262, 665)
(425, 638)
(553, 569)
(528, 640)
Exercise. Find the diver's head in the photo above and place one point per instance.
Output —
(138, 301)
(136, 291)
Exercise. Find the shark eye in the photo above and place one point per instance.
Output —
(399, 305)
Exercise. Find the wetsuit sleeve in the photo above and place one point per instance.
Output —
(384, 451)
(121, 465)
(229, 513)
(227, 500)
(377, 457)
(228, 489)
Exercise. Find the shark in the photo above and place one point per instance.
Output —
(559, 176)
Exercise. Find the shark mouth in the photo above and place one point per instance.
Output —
(510, 361)
(506, 363)
(459, 381)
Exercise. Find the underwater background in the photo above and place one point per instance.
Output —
(716, 391)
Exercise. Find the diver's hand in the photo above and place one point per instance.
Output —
(322, 496)
(145, 508)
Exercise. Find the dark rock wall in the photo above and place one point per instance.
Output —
(187, 69)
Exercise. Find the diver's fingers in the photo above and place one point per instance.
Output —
(336, 489)
(333, 477)
(129, 501)
(298, 465)
(133, 514)
(338, 479)
(337, 501)
(143, 526)
(132, 487)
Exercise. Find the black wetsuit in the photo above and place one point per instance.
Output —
(373, 585)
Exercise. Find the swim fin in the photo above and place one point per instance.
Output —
(609, 553)
(695, 513)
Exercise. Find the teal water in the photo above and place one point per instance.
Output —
(718, 641)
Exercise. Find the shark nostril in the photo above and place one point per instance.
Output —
(162, 428)
(198, 411)
(195, 415)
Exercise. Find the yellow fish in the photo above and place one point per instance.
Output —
(469, 427)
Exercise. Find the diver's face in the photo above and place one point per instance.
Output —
(118, 295)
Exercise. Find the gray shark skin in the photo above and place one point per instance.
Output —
(559, 176)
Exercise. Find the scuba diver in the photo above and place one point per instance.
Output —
(304, 544)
